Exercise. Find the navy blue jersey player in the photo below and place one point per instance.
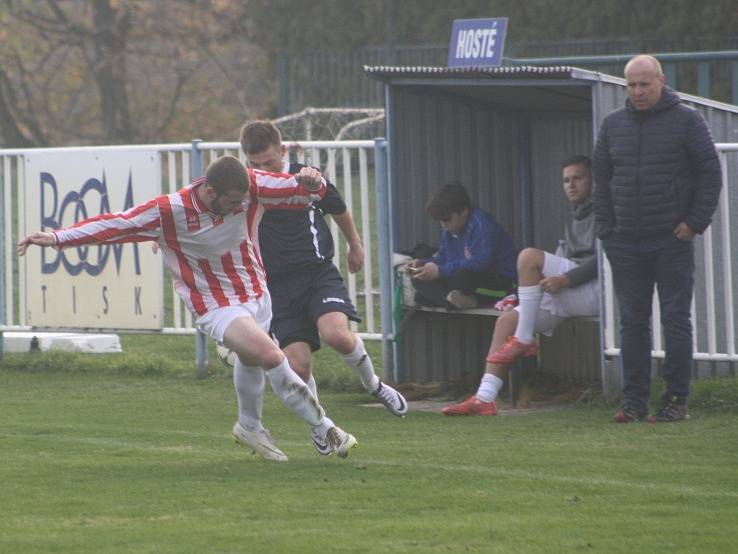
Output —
(310, 301)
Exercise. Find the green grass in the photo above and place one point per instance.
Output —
(173, 356)
(122, 461)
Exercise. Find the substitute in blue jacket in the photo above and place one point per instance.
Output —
(657, 183)
(475, 252)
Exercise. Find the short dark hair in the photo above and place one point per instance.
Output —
(577, 159)
(451, 198)
(257, 136)
(226, 174)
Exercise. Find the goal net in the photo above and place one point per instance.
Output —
(332, 124)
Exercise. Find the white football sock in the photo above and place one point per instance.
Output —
(322, 429)
(313, 386)
(295, 394)
(249, 384)
(529, 301)
(361, 363)
(489, 387)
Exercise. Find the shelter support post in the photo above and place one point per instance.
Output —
(384, 256)
(2, 257)
(201, 345)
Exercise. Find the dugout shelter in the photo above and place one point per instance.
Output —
(503, 132)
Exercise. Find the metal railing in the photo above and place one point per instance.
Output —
(706, 78)
(351, 166)
(714, 304)
(342, 82)
(348, 164)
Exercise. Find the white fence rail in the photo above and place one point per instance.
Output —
(348, 164)
(714, 305)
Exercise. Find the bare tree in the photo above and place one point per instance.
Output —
(125, 71)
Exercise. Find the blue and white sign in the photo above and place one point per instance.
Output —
(115, 286)
(477, 42)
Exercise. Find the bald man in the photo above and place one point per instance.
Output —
(657, 182)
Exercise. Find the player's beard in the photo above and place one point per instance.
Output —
(216, 208)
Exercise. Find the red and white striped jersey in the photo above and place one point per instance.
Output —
(214, 260)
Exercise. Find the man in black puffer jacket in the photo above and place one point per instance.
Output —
(657, 181)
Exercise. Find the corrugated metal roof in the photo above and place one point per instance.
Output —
(513, 72)
(507, 71)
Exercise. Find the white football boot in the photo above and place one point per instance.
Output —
(391, 399)
(259, 441)
(321, 444)
(340, 441)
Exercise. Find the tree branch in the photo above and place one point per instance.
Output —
(12, 134)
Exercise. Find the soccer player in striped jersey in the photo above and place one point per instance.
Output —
(208, 234)
(310, 297)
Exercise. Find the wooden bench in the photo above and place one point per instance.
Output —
(517, 370)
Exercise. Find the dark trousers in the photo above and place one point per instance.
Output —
(638, 265)
(433, 293)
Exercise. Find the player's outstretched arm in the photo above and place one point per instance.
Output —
(41, 238)
(278, 190)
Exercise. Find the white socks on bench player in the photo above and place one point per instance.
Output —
(361, 363)
(529, 299)
(489, 387)
(529, 302)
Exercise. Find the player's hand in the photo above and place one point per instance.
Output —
(412, 266)
(41, 238)
(427, 272)
(554, 284)
(684, 232)
(310, 178)
(355, 258)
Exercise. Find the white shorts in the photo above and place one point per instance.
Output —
(215, 322)
(581, 301)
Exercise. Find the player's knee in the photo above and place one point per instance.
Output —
(270, 357)
(341, 340)
(529, 257)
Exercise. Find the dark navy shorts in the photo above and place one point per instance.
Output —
(300, 298)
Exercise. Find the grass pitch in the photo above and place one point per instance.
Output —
(104, 462)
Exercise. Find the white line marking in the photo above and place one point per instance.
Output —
(538, 476)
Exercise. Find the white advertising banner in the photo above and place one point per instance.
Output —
(117, 286)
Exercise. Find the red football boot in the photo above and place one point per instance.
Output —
(513, 350)
(470, 406)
